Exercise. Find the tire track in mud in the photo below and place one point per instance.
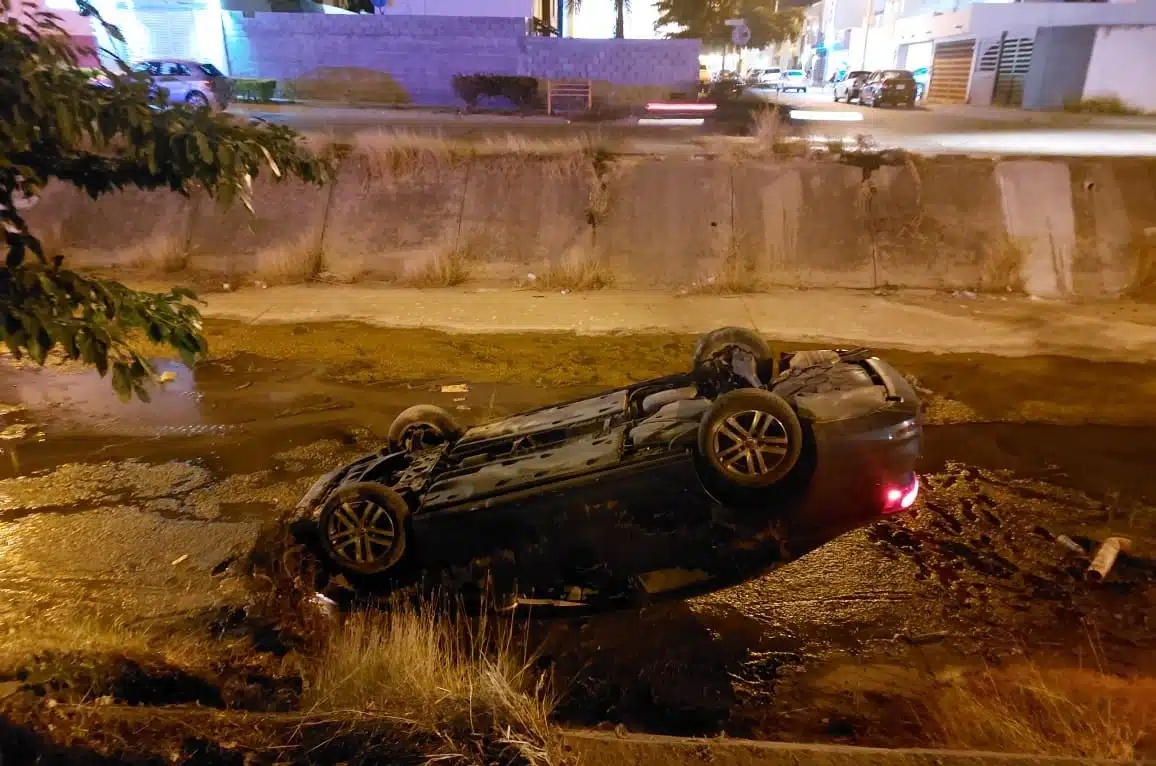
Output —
(988, 540)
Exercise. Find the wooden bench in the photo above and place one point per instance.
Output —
(568, 92)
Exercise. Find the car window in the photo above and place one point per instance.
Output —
(896, 74)
(172, 69)
(210, 70)
(145, 66)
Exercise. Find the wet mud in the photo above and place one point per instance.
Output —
(134, 508)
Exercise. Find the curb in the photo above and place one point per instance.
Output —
(610, 749)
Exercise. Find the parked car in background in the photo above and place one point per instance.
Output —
(922, 77)
(888, 86)
(197, 84)
(767, 77)
(793, 79)
(848, 84)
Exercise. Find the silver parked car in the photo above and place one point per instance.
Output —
(198, 84)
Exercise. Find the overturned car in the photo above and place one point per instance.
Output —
(660, 489)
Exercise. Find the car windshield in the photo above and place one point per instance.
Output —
(210, 70)
(896, 74)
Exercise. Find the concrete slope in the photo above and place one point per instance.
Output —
(914, 321)
(607, 749)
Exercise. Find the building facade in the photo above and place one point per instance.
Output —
(1037, 55)
(77, 27)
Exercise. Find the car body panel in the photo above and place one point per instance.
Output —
(847, 87)
(889, 86)
(605, 497)
(182, 79)
(793, 79)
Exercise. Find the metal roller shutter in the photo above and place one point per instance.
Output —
(171, 35)
(951, 72)
(1015, 58)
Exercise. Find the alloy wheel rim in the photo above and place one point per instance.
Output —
(362, 532)
(750, 443)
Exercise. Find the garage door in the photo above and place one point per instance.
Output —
(167, 35)
(950, 72)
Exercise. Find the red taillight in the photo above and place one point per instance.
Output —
(901, 498)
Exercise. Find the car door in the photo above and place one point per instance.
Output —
(149, 70)
(170, 76)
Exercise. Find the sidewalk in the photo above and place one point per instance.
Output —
(1041, 117)
(915, 321)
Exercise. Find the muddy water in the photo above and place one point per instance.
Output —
(130, 507)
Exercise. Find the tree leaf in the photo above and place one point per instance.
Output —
(122, 382)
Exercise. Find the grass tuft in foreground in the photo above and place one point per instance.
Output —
(1064, 712)
(460, 681)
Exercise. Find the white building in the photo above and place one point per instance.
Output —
(1031, 54)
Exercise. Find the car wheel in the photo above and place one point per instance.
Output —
(751, 438)
(804, 90)
(197, 100)
(836, 97)
(422, 426)
(362, 528)
(718, 340)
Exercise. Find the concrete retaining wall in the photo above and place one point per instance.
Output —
(423, 53)
(1049, 228)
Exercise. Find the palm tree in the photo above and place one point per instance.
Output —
(621, 8)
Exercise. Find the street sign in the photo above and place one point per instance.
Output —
(741, 35)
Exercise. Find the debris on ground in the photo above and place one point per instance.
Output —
(456, 388)
(1106, 556)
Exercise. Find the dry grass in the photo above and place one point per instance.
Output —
(575, 274)
(773, 137)
(289, 263)
(441, 675)
(390, 155)
(1002, 269)
(1101, 105)
(1142, 258)
(1029, 709)
(448, 269)
(80, 640)
(736, 273)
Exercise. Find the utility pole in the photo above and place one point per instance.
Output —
(867, 30)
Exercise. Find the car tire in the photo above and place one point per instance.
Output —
(715, 341)
(197, 100)
(362, 528)
(804, 90)
(836, 94)
(750, 438)
(422, 426)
